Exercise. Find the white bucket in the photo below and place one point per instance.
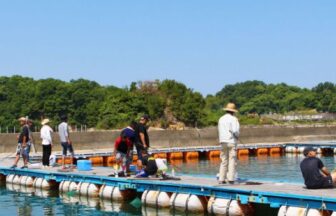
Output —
(88, 189)
(186, 202)
(155, 198)
(228, 207)
(67, 186)
(296, 211)
(110, 192)
(161, 164)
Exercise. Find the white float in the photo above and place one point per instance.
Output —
(110, 192)
(155, 198)
(151, 211)
(91, 202)
(41, 183)
(67, 186)
(10, 178)
(228, 207)
(290, 149)
(27, 190)
(187, 202)
(296, 211)
(27, 181)
(16, 179)
(319, 151)
(88, 189)
(108, 206)
(41, 193)
(66, 198)
(300, 149)
(12, 187)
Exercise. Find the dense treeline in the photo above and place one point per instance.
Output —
(88, 103)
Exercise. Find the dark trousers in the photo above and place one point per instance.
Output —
(46, 154)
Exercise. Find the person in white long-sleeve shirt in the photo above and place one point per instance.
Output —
(47, 143)
(228, 130)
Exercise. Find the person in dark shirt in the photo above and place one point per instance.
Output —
(315, 174)
(129, 132)
(149, 163)
(142, 138)
(22, 146)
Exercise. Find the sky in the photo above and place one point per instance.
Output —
(203, 44)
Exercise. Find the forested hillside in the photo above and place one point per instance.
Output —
(167, 102)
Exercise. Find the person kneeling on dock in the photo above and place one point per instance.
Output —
(152, 166)
(315, 174)
(149, 165)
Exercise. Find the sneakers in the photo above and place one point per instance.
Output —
(221, 182)
(13, 166)
(24, 167)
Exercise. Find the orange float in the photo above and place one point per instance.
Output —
(261, 151)
(175, 155)
(243, 152)
(160, 155)
(111, 160)
(190, 155)
(66, 161)
(243, 157)
(275, 150)
(97, 160)
(211, 154)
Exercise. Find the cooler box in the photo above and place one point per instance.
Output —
(84, 165)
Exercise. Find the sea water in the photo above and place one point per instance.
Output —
(32, 202)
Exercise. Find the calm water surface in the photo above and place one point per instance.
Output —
(28, 201)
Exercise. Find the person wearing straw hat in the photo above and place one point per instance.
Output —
(47, 143)
(228, 130)
(21, 149)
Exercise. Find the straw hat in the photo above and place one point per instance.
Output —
(45, 121)
(22, 119)
(231, 107)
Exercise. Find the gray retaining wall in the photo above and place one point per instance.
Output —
(190, 137)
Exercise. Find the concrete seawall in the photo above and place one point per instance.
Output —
(190, 137)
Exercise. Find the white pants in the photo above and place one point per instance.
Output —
(227, 169)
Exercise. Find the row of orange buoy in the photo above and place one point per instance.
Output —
(171, 156)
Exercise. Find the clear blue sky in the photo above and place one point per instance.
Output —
(204, 44)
